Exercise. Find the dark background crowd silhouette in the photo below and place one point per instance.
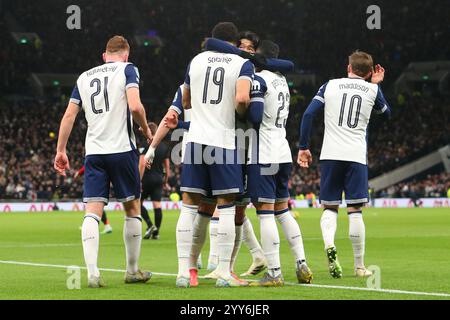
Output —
(306, 33)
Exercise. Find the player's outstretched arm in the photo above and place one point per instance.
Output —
(259, 60)
(256, 108)
(183, 124)
(242, 96)
(61, 163)
(186, 100)
(138, 111)
(169, 121)
(243, 86)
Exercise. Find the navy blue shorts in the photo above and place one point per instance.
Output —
(343, 176)
(243, 199)
(120, 169)
(268, 183)
(211, 176)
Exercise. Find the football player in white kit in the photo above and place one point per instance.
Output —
(347, 104)
(109, 96)
(216, 86)
(269, 167)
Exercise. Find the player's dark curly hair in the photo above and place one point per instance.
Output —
(226, 31)
(269, 49)
(251, 36)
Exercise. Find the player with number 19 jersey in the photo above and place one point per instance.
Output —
(213, 94)
(211, 78)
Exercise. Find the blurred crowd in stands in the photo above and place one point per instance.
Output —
(433, 186)
(28, 131)
(307, 33)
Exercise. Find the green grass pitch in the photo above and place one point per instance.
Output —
(411, 247)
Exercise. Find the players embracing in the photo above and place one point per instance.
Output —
(216, 92)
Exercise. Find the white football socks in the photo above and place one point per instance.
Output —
(213, 254)
(132, 236)
(357, 234)
(270, 241)
(184, 238)
(226, 235)
(328, 224)
(250, 240)
(199, 229)
(237, 246)
(90, 239)
(292, 233)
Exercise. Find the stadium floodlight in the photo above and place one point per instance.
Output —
(40, 82)
(148, 40)
(434, 74)
(25, 37)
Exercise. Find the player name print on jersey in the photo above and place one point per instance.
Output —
(356, 86)
(101, 69)
(220, 59)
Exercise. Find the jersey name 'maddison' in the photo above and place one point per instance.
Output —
(101, 92)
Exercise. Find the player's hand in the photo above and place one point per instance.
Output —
(166, 186)
(304, 158)
(149, 156)
(76, 175)
(61, 163)
(147, 133)
(171, 121)
(377, 74)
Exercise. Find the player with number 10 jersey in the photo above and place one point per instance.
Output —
(348, 104)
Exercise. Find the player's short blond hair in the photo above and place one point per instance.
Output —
(361, 62)
(117, 44)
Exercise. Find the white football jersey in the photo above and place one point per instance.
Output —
(177, 106)
(212, 78)
(271, 146)
(348, 106)
(101, 92)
